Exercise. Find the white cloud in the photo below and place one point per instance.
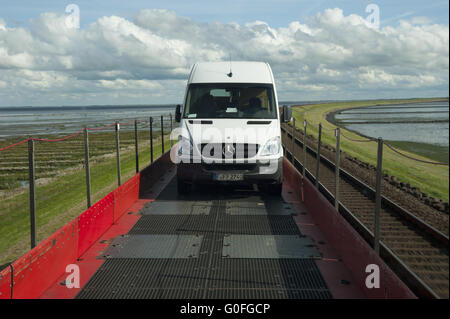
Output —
(421, 20)
(147, 59)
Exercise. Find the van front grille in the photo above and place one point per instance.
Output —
(229, 167)
(229, 150)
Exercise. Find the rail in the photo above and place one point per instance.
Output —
(117, 124)
(415, 282)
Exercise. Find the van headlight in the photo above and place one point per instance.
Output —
(272, 146)
(185, 146)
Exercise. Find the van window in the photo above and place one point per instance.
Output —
(252, 101)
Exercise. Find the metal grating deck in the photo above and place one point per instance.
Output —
(177, 208)
(210, 275)
(269, 246)
(267, 207)
(154, 246)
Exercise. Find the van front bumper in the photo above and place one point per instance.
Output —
(270, 172)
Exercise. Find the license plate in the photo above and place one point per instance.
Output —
(228, 177)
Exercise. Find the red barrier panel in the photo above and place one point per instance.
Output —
(94, 222)
(34, 272)
(38, 269)
(5, 283)
(354, 250)
(125, 195)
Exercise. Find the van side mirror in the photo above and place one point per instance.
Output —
(287, 114)
(178, 113)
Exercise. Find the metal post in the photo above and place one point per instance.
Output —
(293, 141)
(162, 134)
(136, 145)
(151, 139)
(319, 142)
(32, 193)
(376, 243)
(86, 165)
(118, 153)
(304, 148)
(338, 160)
(171, 128)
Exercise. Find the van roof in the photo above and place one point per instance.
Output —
(242, 72)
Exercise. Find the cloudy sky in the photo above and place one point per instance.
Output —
(141, 52)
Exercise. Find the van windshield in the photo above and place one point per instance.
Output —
(252, 101)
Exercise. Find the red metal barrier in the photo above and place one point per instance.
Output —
(34, 272)
(94, 222)
(125, 195)
(354, 250)
(38, 269)
(5, 283)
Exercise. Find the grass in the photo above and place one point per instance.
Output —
(431, 179)
(63, 198)
(51, 157)
(434, 152)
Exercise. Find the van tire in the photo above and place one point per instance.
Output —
(183, 187)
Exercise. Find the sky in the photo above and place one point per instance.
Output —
(140, 52)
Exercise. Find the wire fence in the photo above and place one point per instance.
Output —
(358, 140)
(337, 171)
(79, 132)
(328, 129)
(369, 139)
(43, 180)
(413, 158)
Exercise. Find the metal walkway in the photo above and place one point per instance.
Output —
(216, 243)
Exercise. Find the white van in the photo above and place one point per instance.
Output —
(230, 127)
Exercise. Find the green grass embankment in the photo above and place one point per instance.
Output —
(431, 179)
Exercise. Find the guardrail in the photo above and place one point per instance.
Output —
(409, 277)
(86, 162)
(29, 276)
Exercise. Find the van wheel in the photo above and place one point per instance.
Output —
(183, 187)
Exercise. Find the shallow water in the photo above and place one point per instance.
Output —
(417, 122)
(32, 121)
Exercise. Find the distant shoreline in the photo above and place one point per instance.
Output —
(433, 151)
(293, 103)
(84, 108)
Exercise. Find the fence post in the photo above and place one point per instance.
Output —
(319, 142)
(118, 153)
(376, 243)
(32, 192)
(86, 165)
(162, 134)
(171, 128)
(151, 139)
(337, 168)
(136, 145)
(293, 141)
(304, 148)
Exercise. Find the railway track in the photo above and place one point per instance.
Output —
(416, 251)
